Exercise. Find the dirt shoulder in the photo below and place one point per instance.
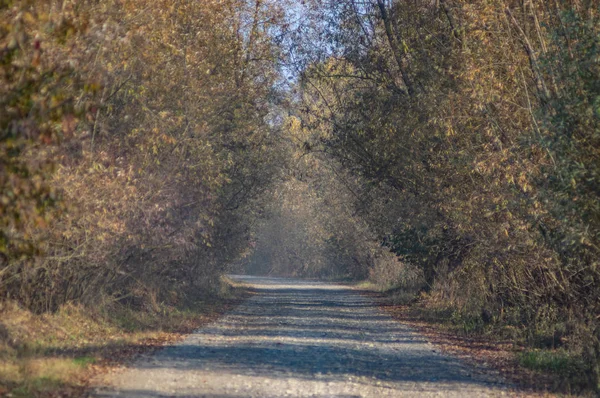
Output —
(492, 355)
(57, 355)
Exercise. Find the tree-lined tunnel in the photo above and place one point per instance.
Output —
(444, 151)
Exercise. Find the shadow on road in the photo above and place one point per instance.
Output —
(307, 332)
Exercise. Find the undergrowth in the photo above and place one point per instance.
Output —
(542, 353)
(57, 353)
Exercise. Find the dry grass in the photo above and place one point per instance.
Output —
(56, 354)
(538, 373)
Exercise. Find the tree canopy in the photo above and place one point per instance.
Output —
(446, 147)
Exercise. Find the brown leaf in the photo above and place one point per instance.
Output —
(69, 123)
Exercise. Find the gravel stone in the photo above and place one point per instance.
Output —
(298, 338)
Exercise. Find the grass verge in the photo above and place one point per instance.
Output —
(494, 350)
(51, 355)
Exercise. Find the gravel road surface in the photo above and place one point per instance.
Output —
(299, 338)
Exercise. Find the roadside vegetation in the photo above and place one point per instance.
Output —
(134, 143)
(446, 150)
(56, 354)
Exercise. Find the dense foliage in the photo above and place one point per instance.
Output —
(146, 123)
(445, 146)
(477, 123)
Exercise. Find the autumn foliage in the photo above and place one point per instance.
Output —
(471, 129)
(445, 147)
(133, 138)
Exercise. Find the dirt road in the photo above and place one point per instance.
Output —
(301, 339)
